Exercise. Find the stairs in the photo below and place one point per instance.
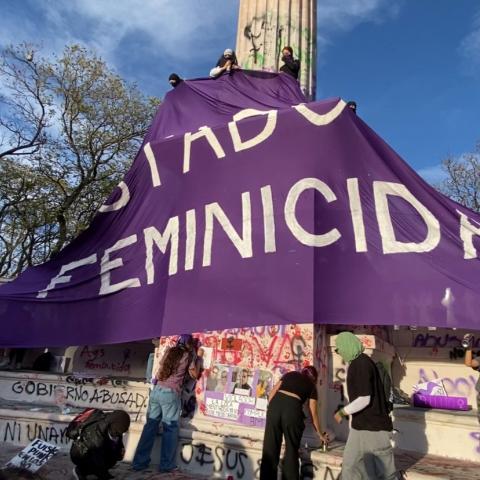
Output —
(34, 405)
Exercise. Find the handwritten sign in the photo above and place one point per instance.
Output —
(34, 456)
(237, 408)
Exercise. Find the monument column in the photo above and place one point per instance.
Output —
(266, 26)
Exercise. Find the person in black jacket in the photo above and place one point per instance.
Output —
(97, 443)
(290, 65)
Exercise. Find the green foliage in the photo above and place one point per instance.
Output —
(69, 129)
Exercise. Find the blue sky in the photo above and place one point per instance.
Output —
(413, 66)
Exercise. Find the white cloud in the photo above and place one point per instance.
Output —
(334, 16)
(180, 34)
(176, 27)
(470, 45)
(346, 14)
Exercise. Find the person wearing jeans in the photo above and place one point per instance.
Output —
(165, 406)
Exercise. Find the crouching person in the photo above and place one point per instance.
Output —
(97, 442)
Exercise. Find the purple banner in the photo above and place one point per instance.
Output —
(441, 402)
(247, 207)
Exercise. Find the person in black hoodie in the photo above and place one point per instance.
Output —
(290, 65)
(174, 80)
(97, 442)
(226, 63)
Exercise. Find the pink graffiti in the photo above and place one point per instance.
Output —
(276, 347)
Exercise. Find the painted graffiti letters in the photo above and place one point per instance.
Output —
(215, 459)
(476, 437)
(12, 431)
(92, 354)
(82, 393)
(447, 340)
(461, 386)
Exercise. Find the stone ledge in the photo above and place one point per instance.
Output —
(436, 416)
(226, 450)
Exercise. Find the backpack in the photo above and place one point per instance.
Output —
(387, 385)
(88, 417)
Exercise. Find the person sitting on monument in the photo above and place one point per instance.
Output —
(226, 63)
(165, 406)
(290, 65)
(174, 80)
(285, 418)
(97, 442)
(352, 105)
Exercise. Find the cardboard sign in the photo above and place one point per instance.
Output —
(34, 456)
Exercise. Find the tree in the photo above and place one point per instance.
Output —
(69, 129)
(463, 179)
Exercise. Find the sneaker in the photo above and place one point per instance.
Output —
(139, 468)
(77, 475)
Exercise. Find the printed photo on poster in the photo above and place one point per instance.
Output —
(264, 383)
(218, 378)
(242, 381)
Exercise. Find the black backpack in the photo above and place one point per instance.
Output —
(88, 417)
(387, 385)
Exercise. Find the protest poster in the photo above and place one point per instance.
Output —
(237, 394)
(33, 456)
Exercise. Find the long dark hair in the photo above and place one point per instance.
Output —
(170, 361)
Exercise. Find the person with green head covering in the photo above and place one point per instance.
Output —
(349, 347)
(368, 453)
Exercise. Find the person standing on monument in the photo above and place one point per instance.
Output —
(165, 406)
(290, 65)
(368, 453)
(285, 418)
